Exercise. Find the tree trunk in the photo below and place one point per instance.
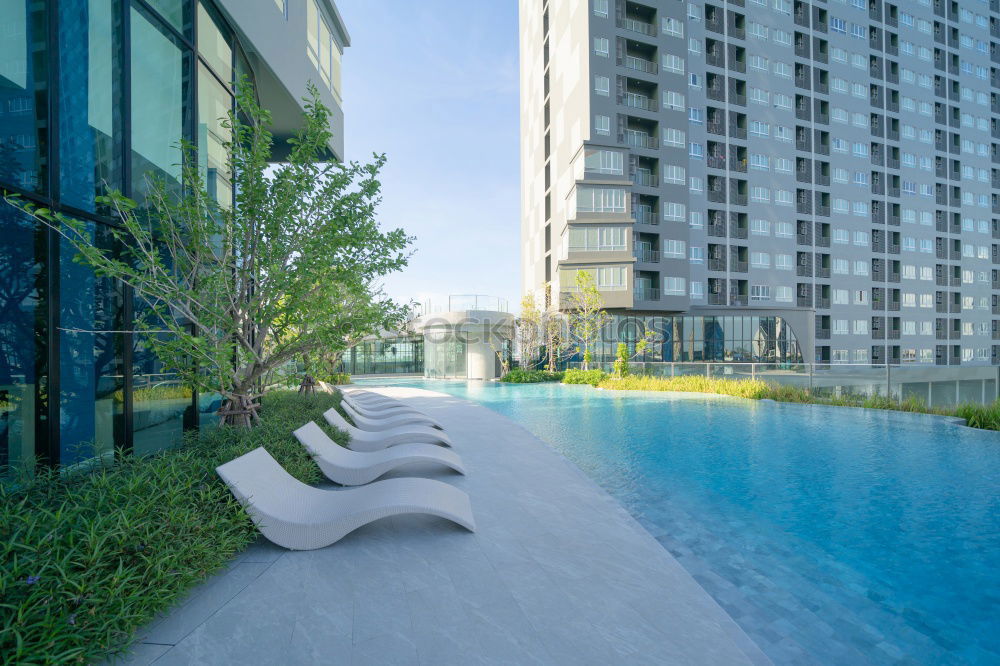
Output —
(240, 411)
(308, 385)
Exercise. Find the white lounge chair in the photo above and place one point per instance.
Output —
(376, 401)
(376, 410)
(300, 517)
(377, 421)
(355, 468)
(365, 440)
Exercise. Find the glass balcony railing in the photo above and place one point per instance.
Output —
(635, 25)
(637, 101)
(640, 64)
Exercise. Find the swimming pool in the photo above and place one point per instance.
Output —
(834, 536)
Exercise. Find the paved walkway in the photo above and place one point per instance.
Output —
(557, 573)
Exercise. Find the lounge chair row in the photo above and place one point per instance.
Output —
(388, 435)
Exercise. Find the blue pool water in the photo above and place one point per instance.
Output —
(834, 536)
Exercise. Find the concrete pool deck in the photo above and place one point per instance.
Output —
(557, 573)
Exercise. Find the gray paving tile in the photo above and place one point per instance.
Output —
(202, 603)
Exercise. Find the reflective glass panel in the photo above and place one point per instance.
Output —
(23, 98)
(213, 45)
(89, 96)
(90, 379)
(175, 12)
(23, 302)
(214, 102)
(159, 95)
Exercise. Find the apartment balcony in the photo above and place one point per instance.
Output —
(647, 256)
(645, 178)
(740, 266)
(893, 334)
(644, 215)
(717, 230)
(635, 25)
(716, 299)
(644, 293)
(640, 65)
(636, 139)
(637, 101)
(803, 302)
(739, 299)
(717, 264)
(823, 271)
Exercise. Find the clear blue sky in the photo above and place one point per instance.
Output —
(434, 85)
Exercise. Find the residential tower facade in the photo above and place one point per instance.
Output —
(827, 170)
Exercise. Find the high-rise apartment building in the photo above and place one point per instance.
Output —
(817, 178)
(97, 94)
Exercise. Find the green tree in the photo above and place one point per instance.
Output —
(529, 331)
(235, 292)
(587, 316)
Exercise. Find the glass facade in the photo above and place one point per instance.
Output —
(387, 356)
(446, 354)
(127, 85)
(701, 338)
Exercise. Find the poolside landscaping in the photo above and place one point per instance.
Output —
(986, 417)
(87, 558)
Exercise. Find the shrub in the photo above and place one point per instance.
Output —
(980, 416)
(87, 558)
(743, 388)
(621, 368)
(525, 376)
(337, 378)
(592, 377)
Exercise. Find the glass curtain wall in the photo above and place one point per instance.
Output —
(445, 355)
(127, 87)
(388, 356)
(697, 338)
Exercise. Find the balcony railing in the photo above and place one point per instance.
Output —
(644, 178)
(639, 140)
(637, 101)
(647, 256)
(636, 25)
(646, 293)
(640, 65)
(644, 215)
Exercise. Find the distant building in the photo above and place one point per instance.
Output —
(737, 169)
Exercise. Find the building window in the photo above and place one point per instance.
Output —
(674, 286)
(596, 239)
(601, 46)
(602, 85)
(282, 7)
(321, 47)
(601, 8)
(600, 200)
(160, 90)
(602, 125)
(603, 161)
